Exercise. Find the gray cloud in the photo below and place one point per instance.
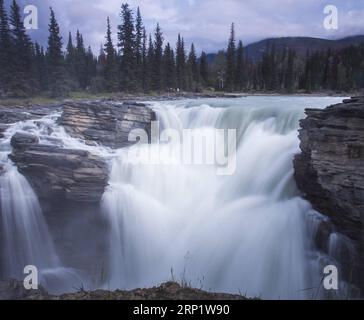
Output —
(205, 22)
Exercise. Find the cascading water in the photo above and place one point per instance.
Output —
(25, 236)
(248, 231)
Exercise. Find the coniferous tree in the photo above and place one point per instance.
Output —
(145, 62)
(110, 68)
(181, 64)
(149, 64)
(91, 68)
(156, 79)
(6, 57)
(39, 67)
(22, 81)
(126, 44)
(81, 61)
(139, 34)
(71, 62)
(55, 61)
(193, 69)
(231, 61)
(204, 68)
(240, 67)
(169, 68)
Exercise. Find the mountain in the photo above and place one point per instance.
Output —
(301, 45)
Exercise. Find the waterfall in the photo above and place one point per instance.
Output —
(24, 231)
(248, 232)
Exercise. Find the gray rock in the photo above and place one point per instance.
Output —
(13, 114)
(330, 169)
(59, 174)
(105, 122)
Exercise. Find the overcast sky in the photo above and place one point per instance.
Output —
(205, 22)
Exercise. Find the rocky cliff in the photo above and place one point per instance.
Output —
(59, 174)
(105, 122)
(330, 170)
(76, 175)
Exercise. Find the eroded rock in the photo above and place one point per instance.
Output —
(58, 174)
(105, 122)
(330, 170)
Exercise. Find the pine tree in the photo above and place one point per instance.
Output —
(91, 67)
(22, 80)
(193, 69)
(181, 64)
(240, 67)
(145, 62)
(55, 61)
(71, 62)
(81, 61)
(110, 69)
(157, 61)
(139, 34)
(126, 44)
(6, 57)
(204, 68)
(231, 61)
(149, 64)
(169, 68)
(39, 68)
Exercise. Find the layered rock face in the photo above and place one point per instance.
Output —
(70, 183)
(105, 122)
(59, 174)
(330, 169)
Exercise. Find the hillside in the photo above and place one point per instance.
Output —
(301, 45)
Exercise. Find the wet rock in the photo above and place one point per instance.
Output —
(105, 122)
(13, 114)
(330, 169)
(58, 174)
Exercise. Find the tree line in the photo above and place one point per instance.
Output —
(141, 62)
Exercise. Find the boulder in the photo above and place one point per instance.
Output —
(58, 174)
(105, 122)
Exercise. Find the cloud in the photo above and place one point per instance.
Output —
(205, 22)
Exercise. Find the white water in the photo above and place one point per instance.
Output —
(25, 234)
(248, 232)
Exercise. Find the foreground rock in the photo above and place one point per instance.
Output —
(169, 291)
(105, 122)
(58, 174)
(330, 170)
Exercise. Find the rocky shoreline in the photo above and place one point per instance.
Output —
(14, 290)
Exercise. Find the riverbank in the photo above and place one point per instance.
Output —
(14, 290)
(81, 96)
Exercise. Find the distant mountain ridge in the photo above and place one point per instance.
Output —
(301, 45)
